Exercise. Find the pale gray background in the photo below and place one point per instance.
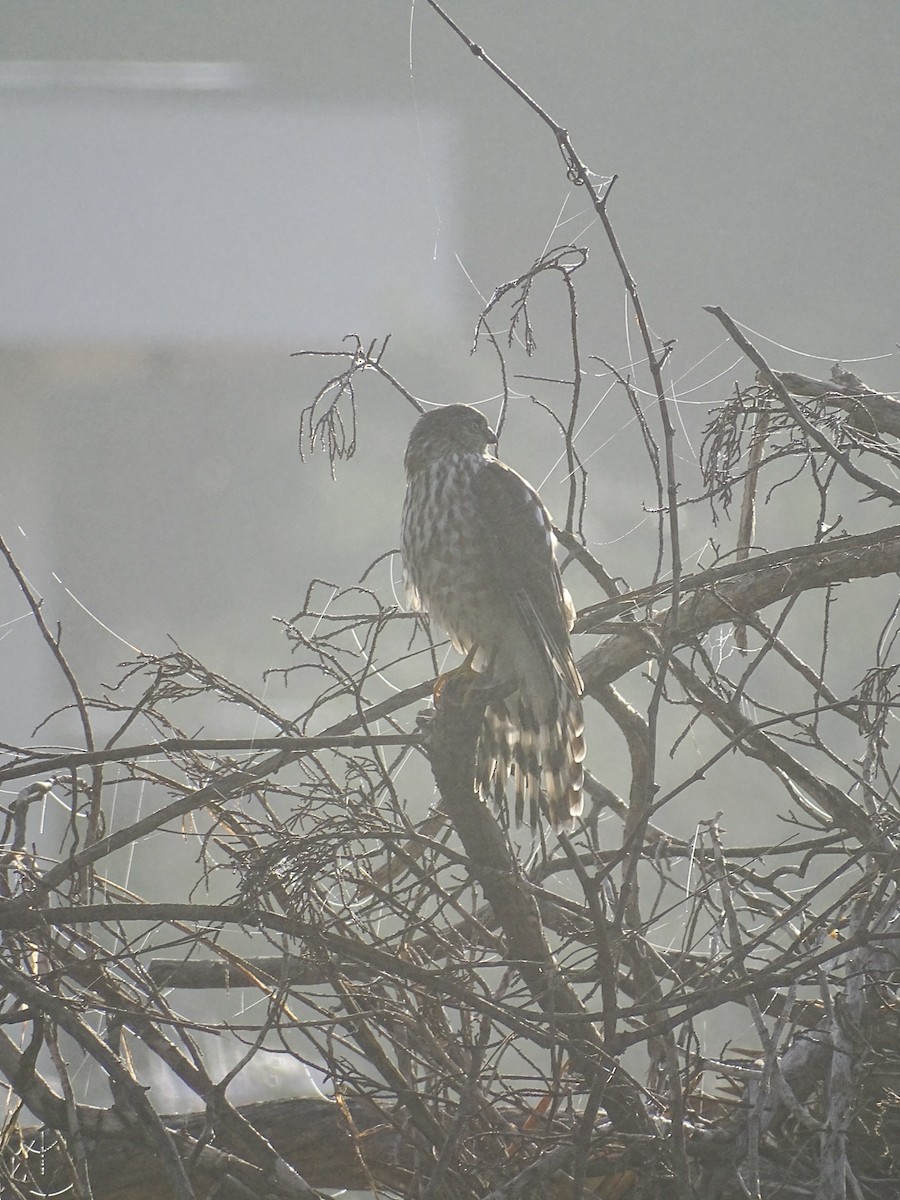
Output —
(167, 239)
(169, 236)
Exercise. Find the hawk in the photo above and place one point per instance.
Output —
(479, 556)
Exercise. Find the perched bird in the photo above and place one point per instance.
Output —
(478, 551)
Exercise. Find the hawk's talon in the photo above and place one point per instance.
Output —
(465, 667)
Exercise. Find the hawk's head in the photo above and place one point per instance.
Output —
(453, 429)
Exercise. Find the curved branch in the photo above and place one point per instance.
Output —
(816, 436)
(296, 746)
(459, 714)
(745, 588)
(843, 811)
(874, 411)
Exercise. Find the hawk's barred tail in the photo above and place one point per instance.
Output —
(562, 757)
(539, 756)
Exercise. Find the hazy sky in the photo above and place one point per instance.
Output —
(755, 144)
(172, 233)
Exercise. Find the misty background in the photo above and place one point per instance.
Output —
(190, 193)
